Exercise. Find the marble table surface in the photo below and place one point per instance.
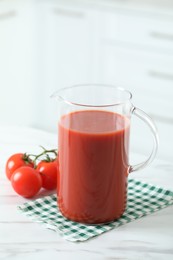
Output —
(150, 237)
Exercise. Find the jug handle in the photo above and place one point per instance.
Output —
(147, 119)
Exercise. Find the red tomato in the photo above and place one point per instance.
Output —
(26, 181)
(16, 161)
(48, 172)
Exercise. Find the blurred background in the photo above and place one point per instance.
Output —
(49, 44)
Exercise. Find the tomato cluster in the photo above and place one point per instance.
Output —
(28, 176)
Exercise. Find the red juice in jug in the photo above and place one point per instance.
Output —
(94, 164)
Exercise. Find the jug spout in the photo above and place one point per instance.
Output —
(56, 96)
(63, 94)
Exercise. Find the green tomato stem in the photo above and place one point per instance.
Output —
(45, 152)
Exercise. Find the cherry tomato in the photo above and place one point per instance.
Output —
(48, 172)
(26, 181)
(16, 161)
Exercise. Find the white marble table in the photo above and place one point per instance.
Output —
(150, 237)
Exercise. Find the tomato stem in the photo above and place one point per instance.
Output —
(45, 152)
(26, 158)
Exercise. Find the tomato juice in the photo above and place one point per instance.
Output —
(93, 164)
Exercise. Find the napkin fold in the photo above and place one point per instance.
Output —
(143, 199)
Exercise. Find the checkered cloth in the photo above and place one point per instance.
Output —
(143, 199)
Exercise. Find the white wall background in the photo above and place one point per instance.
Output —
(44, 46)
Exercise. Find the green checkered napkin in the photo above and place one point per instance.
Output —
(143, 199)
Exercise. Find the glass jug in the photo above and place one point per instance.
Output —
(93, 143)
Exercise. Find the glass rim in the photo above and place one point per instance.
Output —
(57, 94)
